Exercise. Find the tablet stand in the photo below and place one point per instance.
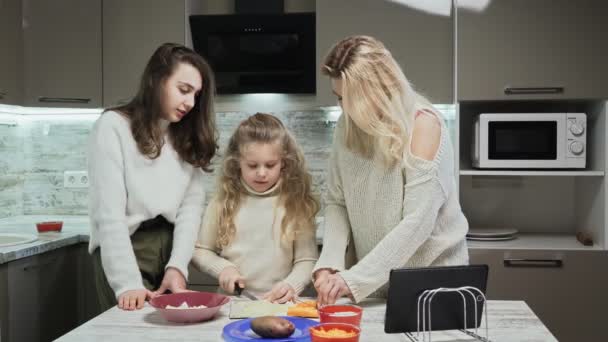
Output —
(424, 317)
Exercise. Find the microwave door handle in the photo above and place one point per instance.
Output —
(533, 90)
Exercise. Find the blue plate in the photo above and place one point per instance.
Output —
(241, 331)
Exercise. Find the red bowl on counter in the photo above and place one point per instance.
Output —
(349, 314)
(49, 226)
(212, 301)
(326, 332)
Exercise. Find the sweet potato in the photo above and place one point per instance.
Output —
(272, 327)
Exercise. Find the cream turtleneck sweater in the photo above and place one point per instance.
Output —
(406, 216)
(256, 249)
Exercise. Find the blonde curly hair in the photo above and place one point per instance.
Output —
(295, 193)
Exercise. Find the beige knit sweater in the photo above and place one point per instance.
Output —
(256, 250)
(406, 216)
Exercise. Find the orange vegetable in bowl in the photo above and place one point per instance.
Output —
(328, 332)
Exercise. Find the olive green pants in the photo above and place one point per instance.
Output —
(152, 243)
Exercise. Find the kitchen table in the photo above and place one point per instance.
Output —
(509, 321)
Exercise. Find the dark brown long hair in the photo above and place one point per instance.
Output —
(194, 137)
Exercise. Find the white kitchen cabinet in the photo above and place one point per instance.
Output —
(132, 30)
(39, 296)
(11, 64)
(566, 289)
(542, 49)
(62, 53)
(422, 42)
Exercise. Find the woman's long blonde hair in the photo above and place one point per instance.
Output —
(295, 192)
(378, 100)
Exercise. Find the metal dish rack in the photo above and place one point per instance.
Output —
(424, 314)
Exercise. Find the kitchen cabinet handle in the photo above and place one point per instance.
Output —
(550, 263)
(3, 94)
(533, 90)
(63, 99)
(39, 265)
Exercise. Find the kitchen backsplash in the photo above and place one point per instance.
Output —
(35, 150)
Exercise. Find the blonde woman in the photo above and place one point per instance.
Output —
(391, 184)
(259, 231)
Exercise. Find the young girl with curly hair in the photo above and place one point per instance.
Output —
(259, 230)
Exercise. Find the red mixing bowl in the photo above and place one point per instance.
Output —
(212, 301)
(51, 226)
(350, 314)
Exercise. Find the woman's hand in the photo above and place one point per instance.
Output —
(173, 281)
(320, 279)
(329, 288)
(320, 275)
(229, 277)
(280, 293)
(133, 299)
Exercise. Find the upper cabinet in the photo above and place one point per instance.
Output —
(62, 53)
(421, 40)
(132, 30)
(11, 67)
(542, 49)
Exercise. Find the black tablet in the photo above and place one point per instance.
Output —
(406, 285)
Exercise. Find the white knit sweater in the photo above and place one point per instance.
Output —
(127, 188)
(406, 216)
(256, 250)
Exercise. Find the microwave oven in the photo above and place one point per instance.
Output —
(530, 141)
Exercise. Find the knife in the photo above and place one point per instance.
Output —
(242, 292)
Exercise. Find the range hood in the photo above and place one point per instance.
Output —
(266, 51)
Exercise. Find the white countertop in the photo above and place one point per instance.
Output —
(75, 230)
(509, 321)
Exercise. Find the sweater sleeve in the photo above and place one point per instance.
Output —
(305, 256)
(206, 253)
(187, 222)
(424, 196)
(108, 203)
(336, 224)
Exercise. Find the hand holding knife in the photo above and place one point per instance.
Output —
(241, 292)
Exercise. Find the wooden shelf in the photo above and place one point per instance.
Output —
(567, 242)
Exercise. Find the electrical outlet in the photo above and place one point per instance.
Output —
(75, 179)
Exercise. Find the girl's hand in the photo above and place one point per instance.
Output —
(330, 288)
(173, 281)
(133, 299)
(229, 277)
(280, 293)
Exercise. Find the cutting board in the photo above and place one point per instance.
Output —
(256, 308)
